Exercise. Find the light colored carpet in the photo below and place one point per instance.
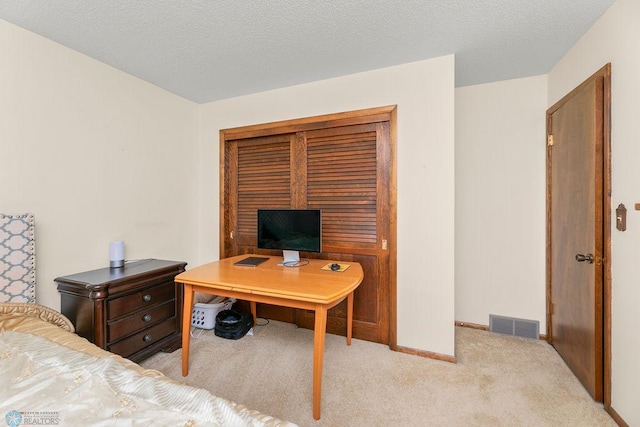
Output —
(498, 380)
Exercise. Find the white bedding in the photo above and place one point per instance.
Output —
(49, 373)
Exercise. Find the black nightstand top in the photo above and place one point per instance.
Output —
(103, 276)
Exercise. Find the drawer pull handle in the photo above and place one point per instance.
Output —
(147, 338)
(146, 317)
(147, 298)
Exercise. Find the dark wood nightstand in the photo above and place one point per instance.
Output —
(134, 311)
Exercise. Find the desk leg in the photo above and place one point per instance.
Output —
(187, 311)
(318, 354)
(254, 312)
(349, 317)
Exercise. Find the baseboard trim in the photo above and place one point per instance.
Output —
(427, 354)
(485, 328)
(472, 325)
(616, 417)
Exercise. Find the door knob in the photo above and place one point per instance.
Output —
(582, 258)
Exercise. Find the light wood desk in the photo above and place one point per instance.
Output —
(307, 287)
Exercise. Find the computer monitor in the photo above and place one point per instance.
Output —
(290, 230)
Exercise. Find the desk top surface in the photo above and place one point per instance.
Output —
(305, 283)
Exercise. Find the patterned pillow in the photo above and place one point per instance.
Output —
(17, 258)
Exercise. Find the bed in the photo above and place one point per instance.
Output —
(50, 375)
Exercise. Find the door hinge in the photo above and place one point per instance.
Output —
(384, 244)
(231, 235)
(550, 140)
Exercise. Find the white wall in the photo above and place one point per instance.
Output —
(96, 155)
(424, 93)
(500, 200)
(615, 38)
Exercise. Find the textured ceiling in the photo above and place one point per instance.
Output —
(206, 50)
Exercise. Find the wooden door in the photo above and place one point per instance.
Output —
(348, 179)
(341, 164)
(576, 227)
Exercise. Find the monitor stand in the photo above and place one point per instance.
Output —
(290, 257)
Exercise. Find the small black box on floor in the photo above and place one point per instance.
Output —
(233, 324)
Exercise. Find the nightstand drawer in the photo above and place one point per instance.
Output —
(140, 319)
(143, 339)
(146, 298)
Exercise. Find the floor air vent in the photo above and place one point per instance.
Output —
(512, 326)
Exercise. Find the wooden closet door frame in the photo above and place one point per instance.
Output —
(378, 114)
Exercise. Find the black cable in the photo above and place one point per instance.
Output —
(262, 324)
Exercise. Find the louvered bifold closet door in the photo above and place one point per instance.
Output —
(340, 164)
(342, 181)
(347, 178)
(262, 181)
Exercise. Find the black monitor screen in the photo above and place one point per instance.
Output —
(290, 229)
